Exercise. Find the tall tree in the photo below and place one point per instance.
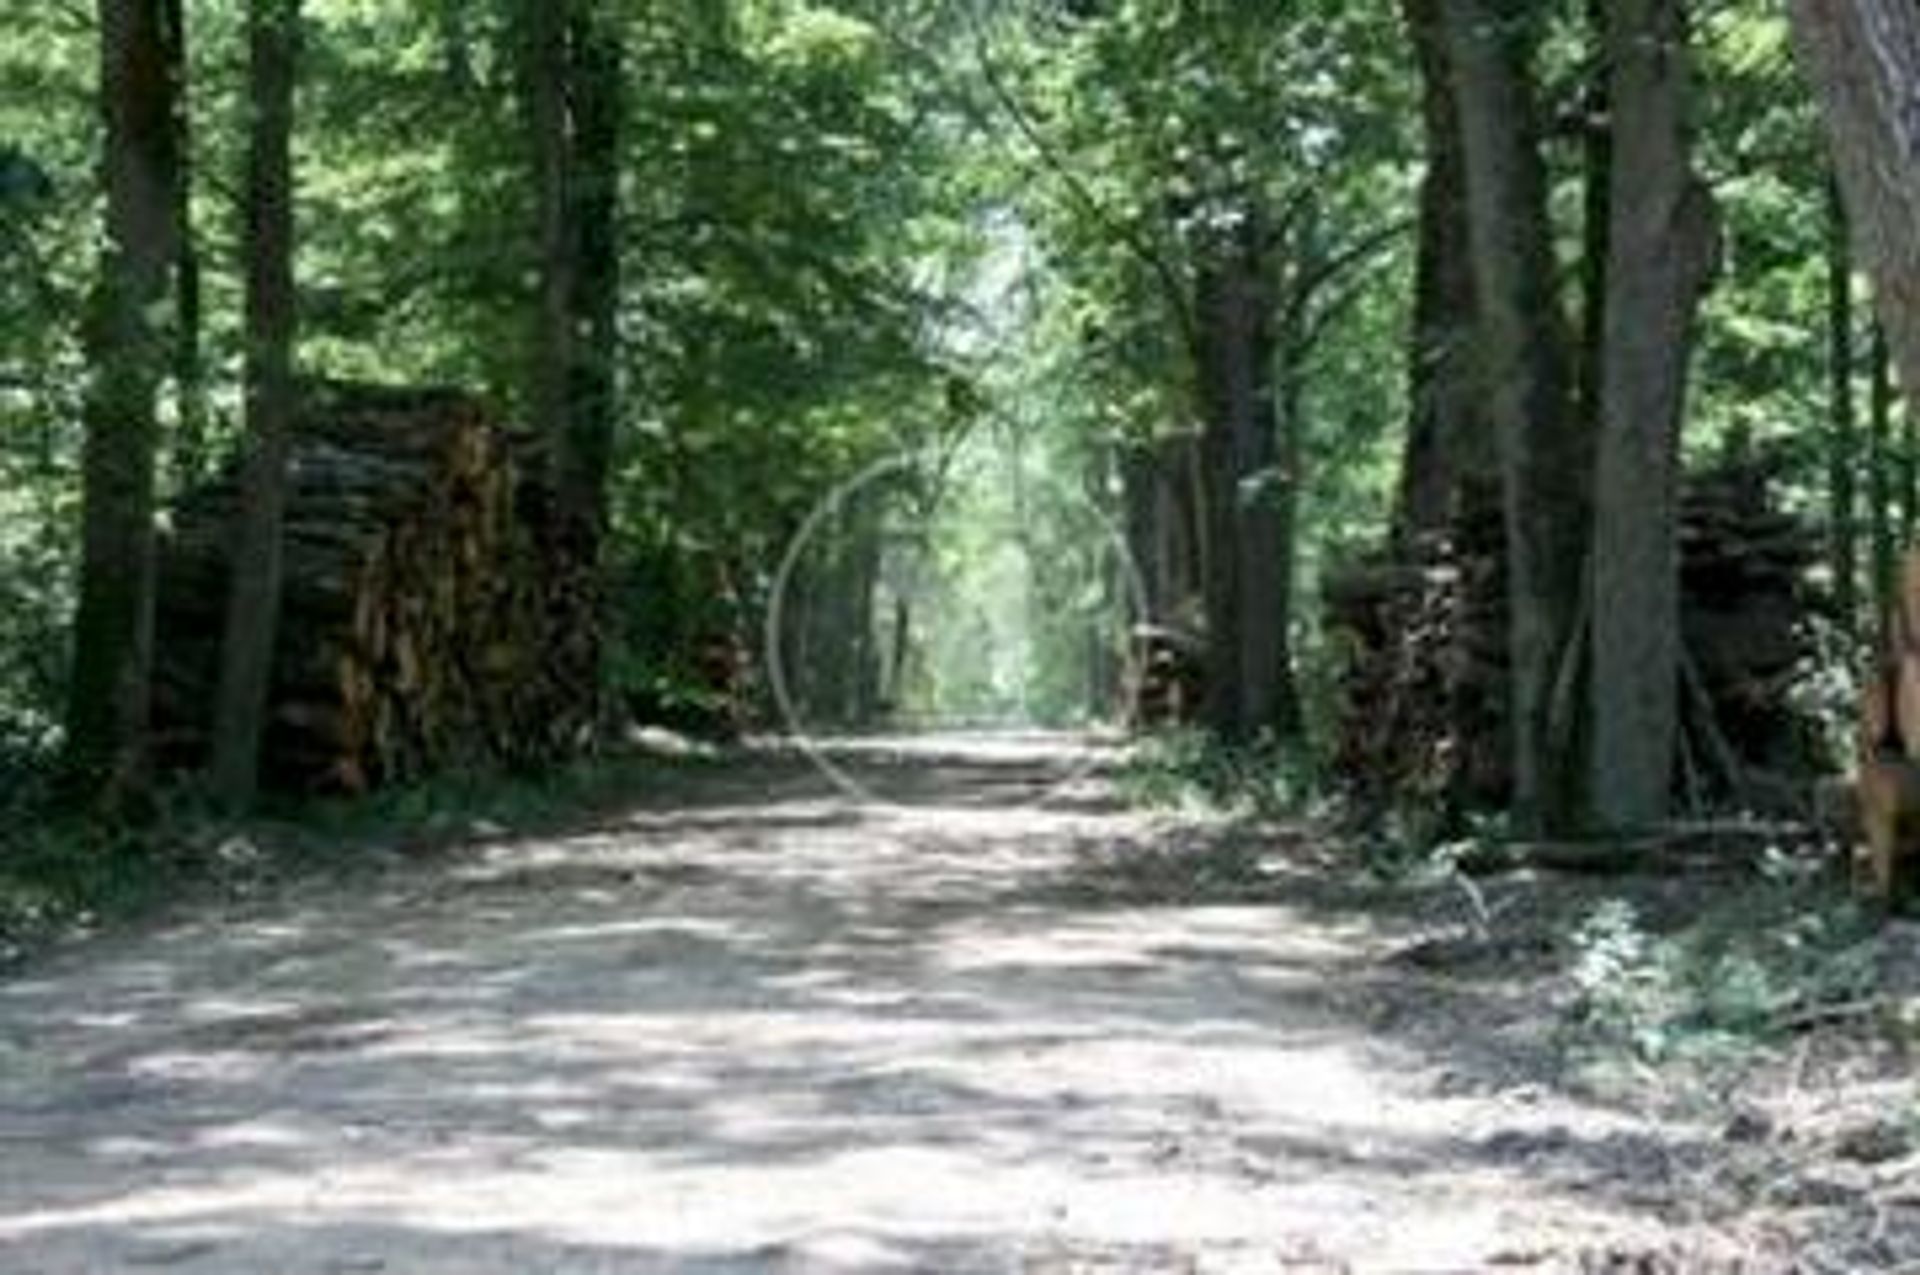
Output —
(1449, 444)
(570, 84)
(1863, 58)
(1596, 125)
(253, 605)
(598, 123)
(1883, 473)
(546, 77)
(1906, 485)
(113, 628)
(1663, 245)
(1843, 429)
(1249, 673)
(1545, 458)
(189, 362)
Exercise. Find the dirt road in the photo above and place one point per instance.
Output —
(755, 1026)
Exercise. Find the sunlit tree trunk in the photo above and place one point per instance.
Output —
(1882, 475)
(1664, 243)
(113, 628)
(1863, 59)
(253, 607)
(1907, 467)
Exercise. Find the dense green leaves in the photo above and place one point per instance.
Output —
(852, 229)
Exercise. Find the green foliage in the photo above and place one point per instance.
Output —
(854, 229)
(1727, 983)
(56, 878)
(1190, 772)
(36, 561)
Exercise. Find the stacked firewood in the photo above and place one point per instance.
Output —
(1888, 867)
(1744, 563)
(1424, 646)
(430, 614)
(1421, 639)
(1168, 677)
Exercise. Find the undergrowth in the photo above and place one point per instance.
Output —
(1188, 771)
(1743, 974)
(1647, 991)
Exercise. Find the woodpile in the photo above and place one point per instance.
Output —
(431, 615)
(1888, 866)
(1169, 677)
(1420, 636)
(1423, 642)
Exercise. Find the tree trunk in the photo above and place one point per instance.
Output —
(1545, 459)
(1140, 483)
(1163, 532)
(1664, 241)
(598, 111)
(113, 627)
(1249, 681)
(1863, 58)
(1843, 443)
(253, 604)
(189, 364)
(1596, 230)
(571, 72)
(1280, 710)
(1448, 440)
(1881, 473)
(1907, 470)
(546, 73)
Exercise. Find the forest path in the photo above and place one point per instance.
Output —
(755, 1026)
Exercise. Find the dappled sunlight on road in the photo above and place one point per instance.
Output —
(758, 1033)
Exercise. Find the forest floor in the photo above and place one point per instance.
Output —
(750, 1024)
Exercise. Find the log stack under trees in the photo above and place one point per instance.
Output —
(431, 617)
(1423, 692)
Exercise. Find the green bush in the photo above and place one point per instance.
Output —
(1729, 983)
(1187, 770)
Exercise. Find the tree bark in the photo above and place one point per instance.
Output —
(1863, 59)
(253, 604)
(1843, 430)
(1140, 483)
(189, 362)
(1163, 533)
(1449, 442)
(1596, 231)
(108, 708)
(1545, 460)
(597, 60)
(1907, 468)
(570, 81)
(546, 74)
(1249, 676)
(1881, 475)
(1664, 246)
